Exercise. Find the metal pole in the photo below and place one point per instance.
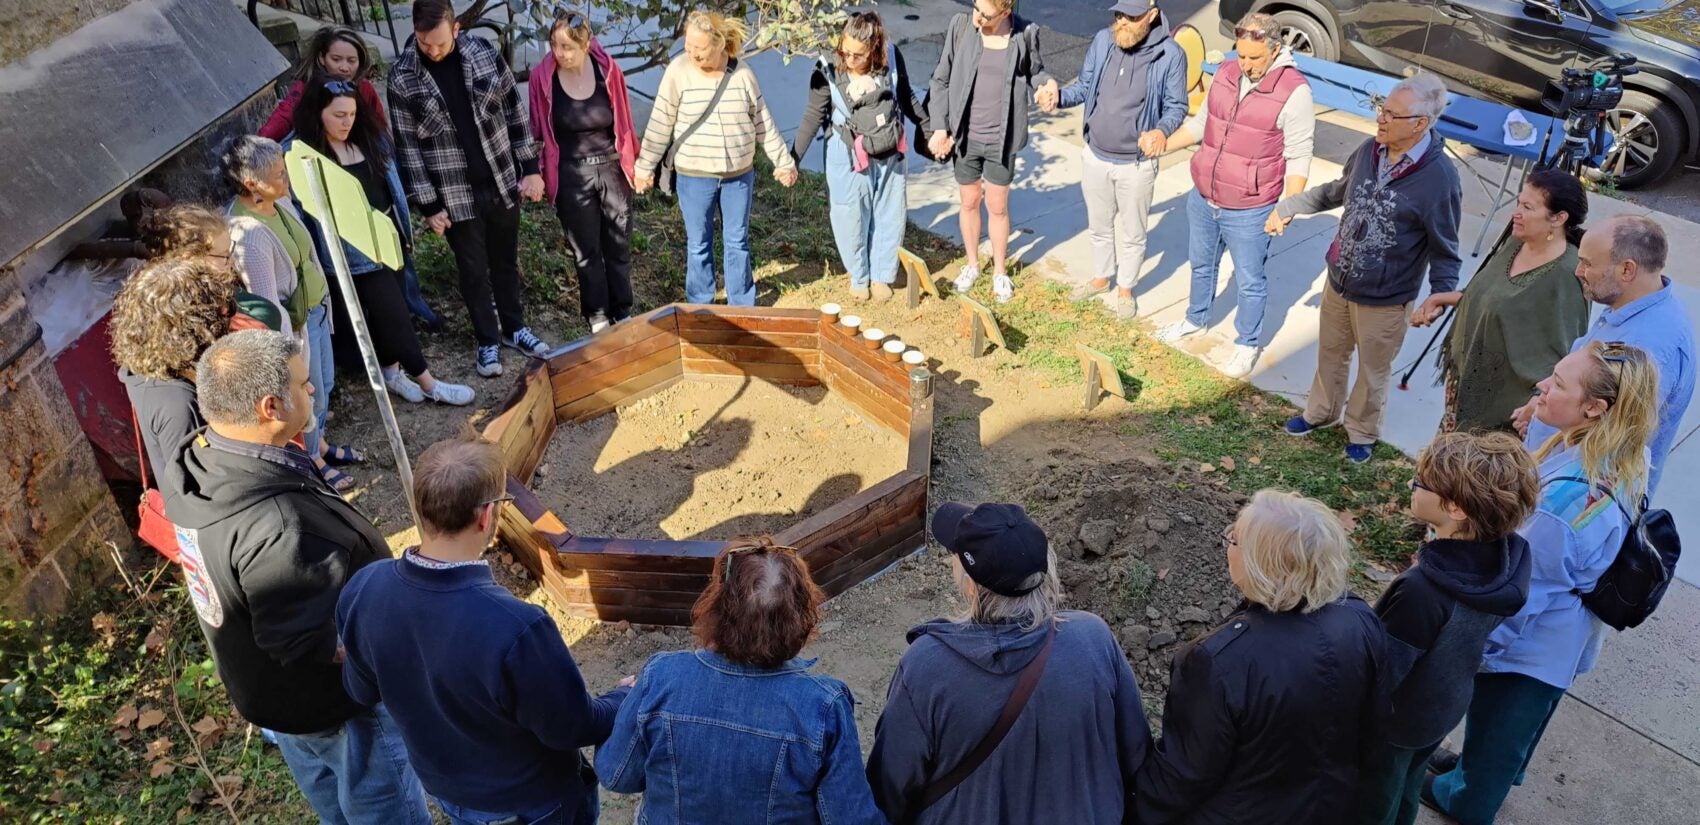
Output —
(357, 319)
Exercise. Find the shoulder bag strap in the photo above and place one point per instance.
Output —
(719, 90)
(141, 453)
(1024, 686)
(1627, 516)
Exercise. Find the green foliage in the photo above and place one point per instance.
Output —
(119, 716)
(1136, 593)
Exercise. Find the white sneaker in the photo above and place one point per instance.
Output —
(458, 395)
(1244, 359)
(404, 387)
(966, 278)
(1178, 330)
(1003, 288)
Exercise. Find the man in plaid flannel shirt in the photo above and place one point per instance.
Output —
(463, 142)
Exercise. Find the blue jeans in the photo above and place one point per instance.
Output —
(1508, 714)
(553, 814)
(868, 213)
(701, 200)
(1240, 232)
(321, 370)
(357, 773)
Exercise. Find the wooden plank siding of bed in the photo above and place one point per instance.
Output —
(779, 346)
(617, 366)
(525, 423)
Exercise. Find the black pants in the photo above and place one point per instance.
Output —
(487, 254)
(594, 203)
(388, 318)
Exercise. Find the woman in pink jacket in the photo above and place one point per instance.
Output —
(339, 52)
(581, 115)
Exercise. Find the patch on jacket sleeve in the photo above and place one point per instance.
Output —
(201, 590)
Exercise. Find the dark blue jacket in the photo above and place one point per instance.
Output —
(1266, 719)
(1071, 755)
(488, 699)
(1165, 105)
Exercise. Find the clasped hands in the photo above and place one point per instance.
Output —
(642, 183)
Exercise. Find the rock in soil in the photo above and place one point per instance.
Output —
(1097, 536)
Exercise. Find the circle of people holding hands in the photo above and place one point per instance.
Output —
(386, 680)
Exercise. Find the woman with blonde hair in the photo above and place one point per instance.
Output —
(1603, 401)
(742, 730)
(1267, 713)
(709, 117)
(1014, 666)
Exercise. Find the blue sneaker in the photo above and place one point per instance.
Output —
(1359, 453)
(524, 341)
(1297, 425)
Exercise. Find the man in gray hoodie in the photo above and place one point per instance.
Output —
(1054, 684)
(1403, 200)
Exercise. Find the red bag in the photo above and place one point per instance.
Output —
(155, 529)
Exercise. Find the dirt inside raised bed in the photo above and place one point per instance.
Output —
(713, 458)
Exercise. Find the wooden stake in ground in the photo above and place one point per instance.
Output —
(917, 276)
(308, 174)
(1101, 376)
(983, 326)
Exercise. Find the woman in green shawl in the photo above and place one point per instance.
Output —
(1519, 314)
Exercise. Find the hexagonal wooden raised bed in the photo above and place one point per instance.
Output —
(656, 582)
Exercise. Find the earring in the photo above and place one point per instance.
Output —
(1549, 235)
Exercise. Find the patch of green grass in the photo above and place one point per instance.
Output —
(1136, 593)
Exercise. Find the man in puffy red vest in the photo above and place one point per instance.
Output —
(1257, 126)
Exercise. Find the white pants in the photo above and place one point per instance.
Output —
(1112, 191)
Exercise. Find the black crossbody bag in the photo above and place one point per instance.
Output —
(667, 178)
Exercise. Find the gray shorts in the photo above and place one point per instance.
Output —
(983, 161)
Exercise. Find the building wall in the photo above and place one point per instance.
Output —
(58, 519)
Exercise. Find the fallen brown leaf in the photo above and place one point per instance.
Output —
(1207, 468)
(1254, 461)
(161, 768)
(1227, 463)
(126, 715)
(1348, 521)
(149, 718)
(229, 785)
(206, 725)
(42, 745)
(155, 640)
(158, 748)
(123, 735)
(1162, 574)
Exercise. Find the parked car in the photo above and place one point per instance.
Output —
(1508, 50)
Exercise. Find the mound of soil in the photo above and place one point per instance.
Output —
(1140, 544)
(713, 458)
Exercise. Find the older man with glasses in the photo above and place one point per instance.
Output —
(1402, 200)
(1258, 127)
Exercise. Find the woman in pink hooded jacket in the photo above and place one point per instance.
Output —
(583, 118)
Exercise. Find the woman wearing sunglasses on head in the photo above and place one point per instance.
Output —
(583, 119)
(334, 121)
(863, 99)
(741, 730)
(1603, 401)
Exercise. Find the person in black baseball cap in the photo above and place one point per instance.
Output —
(1078, 733)
(1000, 548)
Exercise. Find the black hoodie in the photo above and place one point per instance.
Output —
(267, 548)
(1438, 616)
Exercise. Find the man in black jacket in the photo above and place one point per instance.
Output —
(266, 548)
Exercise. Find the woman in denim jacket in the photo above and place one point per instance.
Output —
(740, 730)
(334, 121)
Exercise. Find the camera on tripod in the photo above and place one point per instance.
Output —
(1581, 98)
(1597, 88)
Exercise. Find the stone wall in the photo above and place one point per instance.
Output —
(57, 516)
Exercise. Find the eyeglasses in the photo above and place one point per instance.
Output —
(339, 87)
(986, 15)
(861, 55)
(1614, 352)
(497, 500)
(1254, 35)
(572, 19)
(1381, 113)
(1228, 539)
(1417, 485)
(726, 573)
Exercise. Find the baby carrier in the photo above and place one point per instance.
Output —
(875, 119)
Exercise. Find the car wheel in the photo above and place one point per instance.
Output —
(1306, 35)
(1647, 137)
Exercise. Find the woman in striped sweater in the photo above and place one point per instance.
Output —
(714, 151)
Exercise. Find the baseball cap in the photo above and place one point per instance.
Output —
(999, 546)
(1133, 8)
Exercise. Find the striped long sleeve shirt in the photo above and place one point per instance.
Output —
(725, 145)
